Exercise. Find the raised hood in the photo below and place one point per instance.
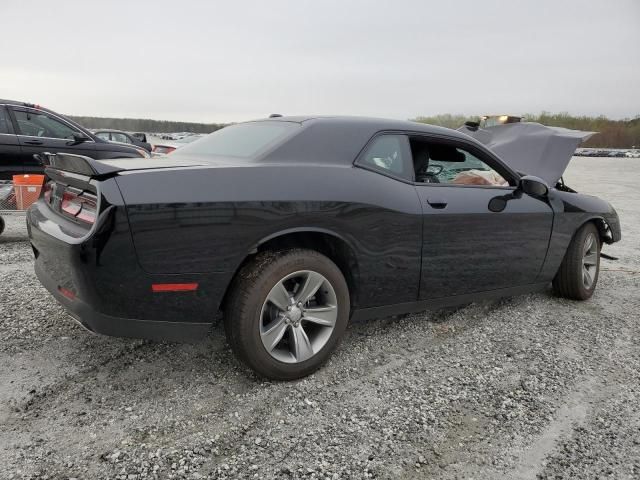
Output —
(531, 148)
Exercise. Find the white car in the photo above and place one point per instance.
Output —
(169, 146)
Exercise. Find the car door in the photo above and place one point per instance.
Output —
(390, 236)
(479, 232)
(40, 131)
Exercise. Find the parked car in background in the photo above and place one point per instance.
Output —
(292, 226)
(140, 136)
(7, 199)
(27, 129)
(124, 137)
(7, 195)
(169, 146)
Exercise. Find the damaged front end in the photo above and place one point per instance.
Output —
(527, 147)
(535, 149)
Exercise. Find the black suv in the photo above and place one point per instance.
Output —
(26, 129)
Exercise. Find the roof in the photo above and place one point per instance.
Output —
(339, 139)
(21, 104)
(27, 104)
(371, 123)
(12, 102)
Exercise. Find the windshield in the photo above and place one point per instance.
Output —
(244, 140)
(451, 169)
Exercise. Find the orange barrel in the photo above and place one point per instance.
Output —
(27, 188)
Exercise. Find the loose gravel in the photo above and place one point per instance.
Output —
(528, 387)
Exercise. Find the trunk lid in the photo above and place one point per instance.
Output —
(72, 186)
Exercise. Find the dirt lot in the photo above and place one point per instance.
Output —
(529, 387)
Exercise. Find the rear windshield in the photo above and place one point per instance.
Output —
(244, 140)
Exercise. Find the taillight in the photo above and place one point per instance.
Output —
(164, 149)
(82, 206)
(67, 293)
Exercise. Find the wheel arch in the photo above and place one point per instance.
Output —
(601, 224)
(569, 282)
(325, 241)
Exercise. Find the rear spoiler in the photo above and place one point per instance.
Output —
(91, 167)
(80, 164)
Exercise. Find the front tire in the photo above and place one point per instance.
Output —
(578, 274)
(287, 313)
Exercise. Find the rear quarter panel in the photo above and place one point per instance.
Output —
(207, 220)
(102, 269)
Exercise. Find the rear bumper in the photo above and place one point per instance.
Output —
(95, 275)
(122, 327)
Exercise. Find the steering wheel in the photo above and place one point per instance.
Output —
(434, 170)
(429, 174)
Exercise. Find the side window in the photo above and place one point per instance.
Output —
(120, 137)
(436, 162)
(5, 126)
(39, 124)
(390, 154)
(103, 135)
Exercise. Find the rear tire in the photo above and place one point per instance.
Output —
(578, 274)
(287, 312)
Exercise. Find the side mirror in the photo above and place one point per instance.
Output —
(79, 137)
(533, 186)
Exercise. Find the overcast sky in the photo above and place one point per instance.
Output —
(210, 61)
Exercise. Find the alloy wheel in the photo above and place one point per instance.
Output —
(298, 316)
(589, 261)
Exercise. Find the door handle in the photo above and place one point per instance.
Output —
(33, 142)
(437, 202)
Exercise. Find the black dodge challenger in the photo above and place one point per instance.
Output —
(293, 226)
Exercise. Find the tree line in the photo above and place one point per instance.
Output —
(145, 125)
(611, 133)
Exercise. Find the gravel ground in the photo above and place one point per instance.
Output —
(529, 387)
